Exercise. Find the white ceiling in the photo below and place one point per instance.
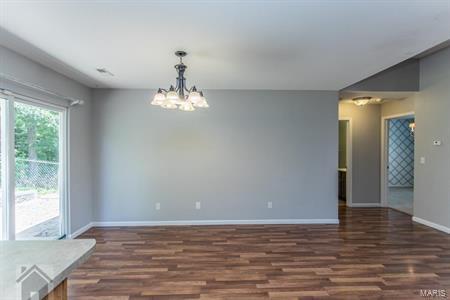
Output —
(302, 44)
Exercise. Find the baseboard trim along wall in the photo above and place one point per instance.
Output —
(216, 222)
(202, 222)
(365, 205)
(431, 224)
(240, 222)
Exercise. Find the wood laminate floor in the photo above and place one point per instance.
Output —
(374, 253)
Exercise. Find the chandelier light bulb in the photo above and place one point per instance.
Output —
(195, 96)
(173, 97)
(187, 106)
(202, 103)
(159, 98)
(168, 104)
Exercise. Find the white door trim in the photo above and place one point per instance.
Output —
(63, 174)
(349, 176)
(384, 153)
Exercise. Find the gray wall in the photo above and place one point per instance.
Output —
(432, 179)
(248, 148)
(18, 66)
(401, 77)
(397, 107)
(366, 139)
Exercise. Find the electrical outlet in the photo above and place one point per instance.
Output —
(269, 204)
(422, 160)
(158, 206)
(197, 205)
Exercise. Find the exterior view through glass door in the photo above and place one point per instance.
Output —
(38, 146)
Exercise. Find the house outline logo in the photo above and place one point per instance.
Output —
(32, 282)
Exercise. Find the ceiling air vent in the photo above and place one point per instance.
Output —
(103, 71)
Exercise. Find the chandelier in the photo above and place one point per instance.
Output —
(180, 96)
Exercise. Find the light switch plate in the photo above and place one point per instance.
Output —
(197, 205)
(269, 204)
(437, 143)
(158, 206)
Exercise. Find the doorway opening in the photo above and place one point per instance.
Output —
(398, 160)
(345, 162)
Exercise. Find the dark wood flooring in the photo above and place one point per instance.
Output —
(375, 253)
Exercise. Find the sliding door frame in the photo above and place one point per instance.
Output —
(8, 168)
(8, 163)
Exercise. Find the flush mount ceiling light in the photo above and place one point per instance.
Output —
(180, 96)
(360, 101)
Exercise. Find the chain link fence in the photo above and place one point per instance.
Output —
(36, 174)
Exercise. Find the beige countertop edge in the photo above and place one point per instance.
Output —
(65, 274)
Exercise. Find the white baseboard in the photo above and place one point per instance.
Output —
(215, 222)
(241, 222)
(199, 222)
(80, 230)
(365, 205)
(431, 224)
(401, 186)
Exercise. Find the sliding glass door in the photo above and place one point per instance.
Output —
(33, 170)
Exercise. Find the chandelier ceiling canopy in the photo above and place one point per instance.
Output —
(179, 96)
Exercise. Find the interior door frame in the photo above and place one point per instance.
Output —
(349, 156)
(384, 153)
(8, 163)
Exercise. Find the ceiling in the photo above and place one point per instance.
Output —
(298, 45)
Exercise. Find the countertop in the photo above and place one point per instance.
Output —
(43, 264)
